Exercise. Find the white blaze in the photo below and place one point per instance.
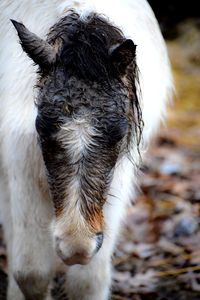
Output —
(77, 136)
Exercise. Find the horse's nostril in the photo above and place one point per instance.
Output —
(57, 244)
(99, 240)
(57, 240)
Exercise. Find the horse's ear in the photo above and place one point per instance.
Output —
(41, 52)
(123, 55)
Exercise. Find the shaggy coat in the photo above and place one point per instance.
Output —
(73, 129)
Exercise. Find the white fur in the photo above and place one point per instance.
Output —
(76, 137)
(25, 205)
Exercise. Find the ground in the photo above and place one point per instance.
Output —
(158, 255)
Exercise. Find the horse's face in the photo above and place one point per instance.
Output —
(84, 124)
(82, 131)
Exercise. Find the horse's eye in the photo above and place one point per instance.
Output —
(115, 130)
(38, 124)
(46, 126)
(56, 125)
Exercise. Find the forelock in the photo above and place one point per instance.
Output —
(84, 46)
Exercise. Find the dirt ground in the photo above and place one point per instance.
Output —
(158, 255)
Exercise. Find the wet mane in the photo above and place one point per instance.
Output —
(84, 52)
(85, 45)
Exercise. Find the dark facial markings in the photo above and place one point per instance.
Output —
(104, 113)
(85, 90)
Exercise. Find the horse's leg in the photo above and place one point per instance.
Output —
(92, 282)
(13, 289)
(32, 251)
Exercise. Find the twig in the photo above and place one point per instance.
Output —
(157, 263)
(177, 271)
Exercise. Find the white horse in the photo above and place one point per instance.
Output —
(70, 131)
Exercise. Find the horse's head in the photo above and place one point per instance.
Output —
(87, 118)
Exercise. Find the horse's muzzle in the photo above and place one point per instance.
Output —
(81, 257)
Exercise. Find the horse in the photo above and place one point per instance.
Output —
(82, 94)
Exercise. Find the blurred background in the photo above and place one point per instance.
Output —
(158, 255)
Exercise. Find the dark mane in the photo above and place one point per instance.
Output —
(85, 45)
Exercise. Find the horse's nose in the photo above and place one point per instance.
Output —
(78, 258)
(72, 255)
(71, 258)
